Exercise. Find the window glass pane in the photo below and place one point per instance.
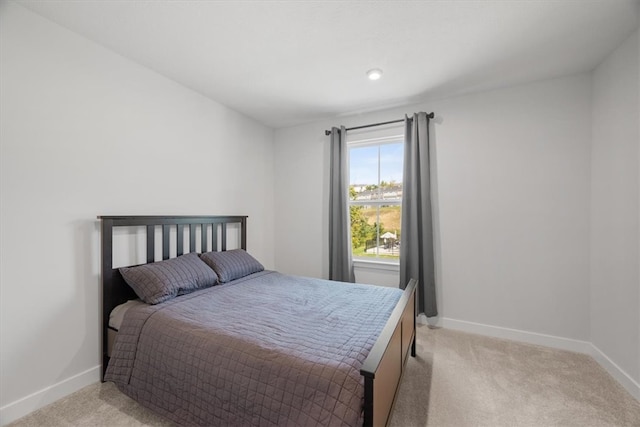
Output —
(375, 231)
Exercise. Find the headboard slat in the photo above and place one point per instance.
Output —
(243, 233)
(203, 238)
(192, 237)
(214, 237)
(165, 241)
(223, 242)
(151, 243)
(180, 238)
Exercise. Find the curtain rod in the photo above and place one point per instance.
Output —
(430, 115)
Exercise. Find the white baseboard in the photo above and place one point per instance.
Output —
(517, 335)
(552, 341)
(616, 372)
(47, 395)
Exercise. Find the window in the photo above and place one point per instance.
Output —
(375, 197)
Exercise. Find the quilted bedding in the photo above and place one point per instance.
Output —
(265, 350)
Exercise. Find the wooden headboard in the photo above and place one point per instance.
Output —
(115, 290)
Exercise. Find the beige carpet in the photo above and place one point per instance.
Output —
(457, 380)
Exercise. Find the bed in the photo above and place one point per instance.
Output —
(262, 349)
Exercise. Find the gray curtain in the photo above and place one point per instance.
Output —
(416, 241)
(340, 258)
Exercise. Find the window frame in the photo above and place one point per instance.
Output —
(394, 138)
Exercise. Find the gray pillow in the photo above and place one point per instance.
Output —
(163, 280)
(231, 265)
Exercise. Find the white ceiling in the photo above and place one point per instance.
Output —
(289, 62)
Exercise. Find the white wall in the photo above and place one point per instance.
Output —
(511, 204)
(615, 278)
(86, 132)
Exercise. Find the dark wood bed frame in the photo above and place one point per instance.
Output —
(382, 369)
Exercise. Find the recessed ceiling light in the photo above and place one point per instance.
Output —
(374, 74)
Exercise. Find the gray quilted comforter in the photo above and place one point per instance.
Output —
(266, 350)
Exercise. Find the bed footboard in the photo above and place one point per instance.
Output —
(383, 368)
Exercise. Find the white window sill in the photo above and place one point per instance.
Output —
(376, 265)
